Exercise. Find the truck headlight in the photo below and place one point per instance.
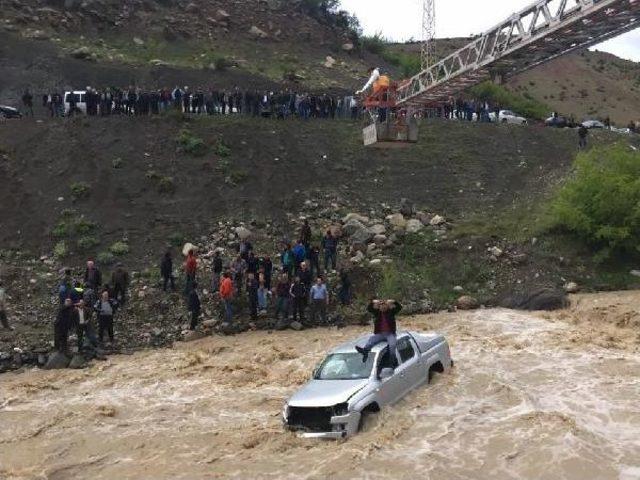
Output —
(341, 409)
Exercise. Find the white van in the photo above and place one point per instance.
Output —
(80, 98)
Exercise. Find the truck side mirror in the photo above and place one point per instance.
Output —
(386, 373)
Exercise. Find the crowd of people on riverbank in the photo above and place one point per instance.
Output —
(292, 290)
(138, 101)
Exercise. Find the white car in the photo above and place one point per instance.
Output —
(80, 98)
(507, 116)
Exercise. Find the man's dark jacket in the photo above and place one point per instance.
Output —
(391, 317)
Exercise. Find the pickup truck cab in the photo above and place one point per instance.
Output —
(344, 388)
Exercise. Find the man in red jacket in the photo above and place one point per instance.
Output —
(384, 312)
(190, 268)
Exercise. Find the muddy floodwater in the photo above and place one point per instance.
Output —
(532, 396)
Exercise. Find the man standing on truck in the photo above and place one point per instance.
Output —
(384, 312)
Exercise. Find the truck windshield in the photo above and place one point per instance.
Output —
(344, 366)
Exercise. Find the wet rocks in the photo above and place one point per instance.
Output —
(57, 361)
(78, 361)
(537, 300)
(467, 302)
(297, 326)
(571, 287)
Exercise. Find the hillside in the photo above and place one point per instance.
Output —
(583, 84)
(154, 43)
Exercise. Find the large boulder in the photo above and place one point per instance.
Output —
(572, 287)
(378, 229)
(355, 216)
(467, 302)
(380, 239)
(397, 220)
(353, 227)
(243, 233)
(257, 33)
(437, 221)
(187, 247)
(78, 361)
(414, 226)
(536, 300)
(407, 208)
(348, 47)
(361, 236)
(57, 361)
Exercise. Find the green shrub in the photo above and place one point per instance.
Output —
(222, 150)
(60, 249)
(61, 230)
(408, 64)
(88, 243)
(79, 190)
(105, 258)
(119, 248)
(177, 239)
(166, 185)
(222, 63)
(489, 91)
(190, 144)
(84, 226)
(601, 202)
(375, 44)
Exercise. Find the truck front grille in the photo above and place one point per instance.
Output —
(310, 419)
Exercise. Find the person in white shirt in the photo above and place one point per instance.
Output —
(319, 301)
(375, 76)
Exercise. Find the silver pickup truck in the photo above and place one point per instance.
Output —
(344, 388)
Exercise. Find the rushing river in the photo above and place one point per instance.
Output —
(531, 397)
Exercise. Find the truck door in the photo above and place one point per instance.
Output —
(410, 365)
(391, 389)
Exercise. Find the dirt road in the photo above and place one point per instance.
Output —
(532, 396)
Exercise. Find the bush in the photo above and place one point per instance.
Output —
(177, 240)
(222, 63)
(84, 226)
(489, 91)
(79, 190)
(60, 249)
(601, 202)
(190, 144)
(61, 230)
(222, 150)
(88, 243)
(408, 64)
(119, 248)
(117, 163)
(105, 258)
(166, 185)
(375, 44)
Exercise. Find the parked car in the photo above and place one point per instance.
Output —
(80, 99)
(345, 389)
(507, 116)
(593, 124)
(9, 112)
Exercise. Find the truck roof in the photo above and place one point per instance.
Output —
(425, 341)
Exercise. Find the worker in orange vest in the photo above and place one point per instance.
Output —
(226, 293)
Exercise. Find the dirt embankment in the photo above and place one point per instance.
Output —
(524, 387)
(455, 170)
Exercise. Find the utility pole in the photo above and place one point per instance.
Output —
(428, 50)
